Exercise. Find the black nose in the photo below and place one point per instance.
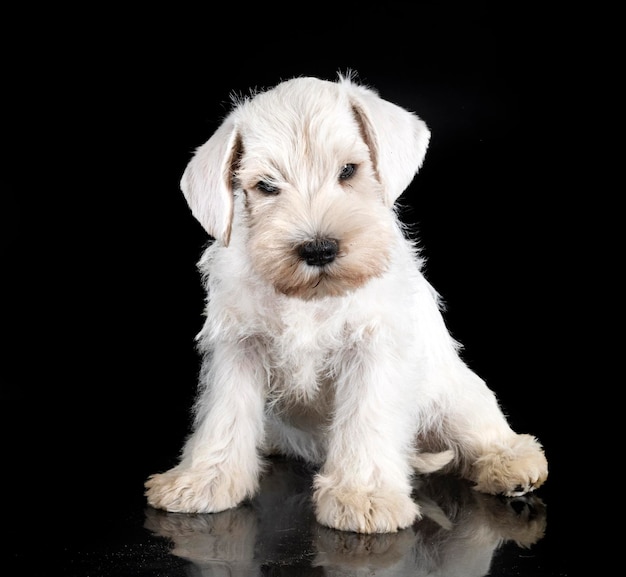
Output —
(318, 252)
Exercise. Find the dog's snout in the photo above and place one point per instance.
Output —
(318, 252)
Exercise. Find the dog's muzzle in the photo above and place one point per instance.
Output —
(318, 252)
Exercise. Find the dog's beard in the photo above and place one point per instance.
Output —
(363, 235)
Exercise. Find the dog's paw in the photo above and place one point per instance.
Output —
(513, 469)
(363, 511)
(197, 490)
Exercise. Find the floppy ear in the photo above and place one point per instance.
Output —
(397, 138)
(207, 182)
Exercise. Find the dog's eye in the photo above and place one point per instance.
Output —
(347, 171)
(266, 188)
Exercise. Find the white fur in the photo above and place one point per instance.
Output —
(346, 363)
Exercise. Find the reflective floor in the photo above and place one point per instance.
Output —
(462, 533)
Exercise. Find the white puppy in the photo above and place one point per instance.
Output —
(323, 340)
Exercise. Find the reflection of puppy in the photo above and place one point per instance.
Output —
(475, 526)
(458, 535)
(224, 540)
(460, 531)
(322, 338)
(272, 529)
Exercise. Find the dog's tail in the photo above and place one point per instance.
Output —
(431, 462)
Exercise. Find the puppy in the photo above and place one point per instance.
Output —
(323, 340)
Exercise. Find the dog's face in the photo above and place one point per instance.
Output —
(315, 168)
(315, 212)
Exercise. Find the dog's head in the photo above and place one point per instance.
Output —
(309, 171)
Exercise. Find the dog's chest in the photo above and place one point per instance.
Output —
(303, 346)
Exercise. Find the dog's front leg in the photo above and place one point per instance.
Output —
(364, 485)
(220, 464)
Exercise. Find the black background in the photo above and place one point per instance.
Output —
(103, 299)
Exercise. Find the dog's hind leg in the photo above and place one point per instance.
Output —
(491, 455)
(511, 467)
